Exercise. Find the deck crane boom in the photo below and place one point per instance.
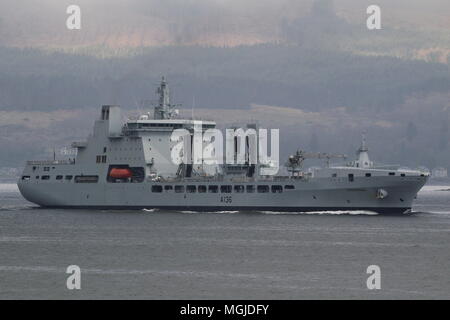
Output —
(295, 161)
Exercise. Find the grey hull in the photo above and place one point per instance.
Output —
(318, 194)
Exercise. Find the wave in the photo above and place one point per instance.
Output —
(8, 187)
(202, 211)
(223, 211)
(327, 212)
(431, 212)
(435, 188)
(16, 207)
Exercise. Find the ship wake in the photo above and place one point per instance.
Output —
(324, 212)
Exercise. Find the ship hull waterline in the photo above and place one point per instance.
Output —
(307, 197)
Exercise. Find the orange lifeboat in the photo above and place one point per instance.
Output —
(118, 173)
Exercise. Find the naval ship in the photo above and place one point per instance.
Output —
(126, 164)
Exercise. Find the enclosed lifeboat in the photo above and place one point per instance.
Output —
(118, 173)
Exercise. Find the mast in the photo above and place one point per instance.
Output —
(164, 110)
(363, 147)
(363, 154)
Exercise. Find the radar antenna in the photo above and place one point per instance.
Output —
(363, 147)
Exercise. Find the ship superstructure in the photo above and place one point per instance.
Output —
(129, 164)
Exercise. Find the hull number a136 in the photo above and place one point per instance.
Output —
(226, 199)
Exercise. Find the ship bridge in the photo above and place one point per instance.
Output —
(134, 126)
(164, 117)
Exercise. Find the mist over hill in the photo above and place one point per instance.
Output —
(287, 75)
(310, 68)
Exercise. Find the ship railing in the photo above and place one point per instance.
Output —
(283, 178)
(50, 162)
(198, 119)
(185, 179)
(222, 179)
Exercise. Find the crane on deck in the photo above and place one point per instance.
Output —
(295, 161)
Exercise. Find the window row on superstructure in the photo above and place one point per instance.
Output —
(221, 188)
(78, 179)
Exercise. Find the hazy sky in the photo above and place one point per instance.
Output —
(41, 23)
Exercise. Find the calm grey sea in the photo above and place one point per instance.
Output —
(230, 255)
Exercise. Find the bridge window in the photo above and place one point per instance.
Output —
(263, 189)
(25, 177)
(402, 175)
(45, 177)
(213, 189)
(168, 188)
(86, 179)
(251, 189)
(37, 177)
(289, 187)
(239, 189)
(100, 159)
(191, 189)
(46, 168)
(179, 189)
(392, 173)
(351, 177)
(59, 177)
(69, 178)
(225, 189)
(334, 175)
(201, 189)
(157, 188)
(277, 189)
(368, 175)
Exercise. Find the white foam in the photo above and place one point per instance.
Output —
(224, 211)
(14, 207)
(327, 212)
(444, 213)
(435, 188)
(8, 187)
